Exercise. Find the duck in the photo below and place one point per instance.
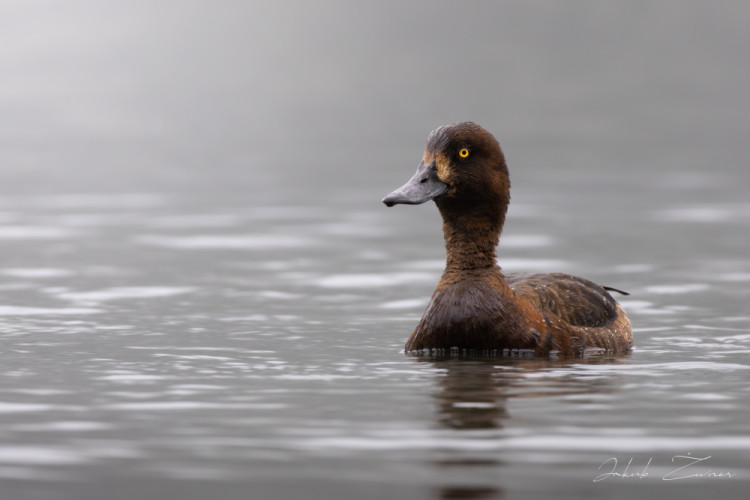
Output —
(475, 306)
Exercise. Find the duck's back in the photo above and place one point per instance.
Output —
(579, 313)
(576, 301)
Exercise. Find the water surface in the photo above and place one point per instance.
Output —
(258, 350)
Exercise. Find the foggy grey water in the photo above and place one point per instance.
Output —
(202, 296)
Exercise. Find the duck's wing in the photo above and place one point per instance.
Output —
(576, 301)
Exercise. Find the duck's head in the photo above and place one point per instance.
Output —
(463, 169)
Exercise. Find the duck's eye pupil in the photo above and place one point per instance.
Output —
(463, 153)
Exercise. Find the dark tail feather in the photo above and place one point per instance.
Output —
(610, 289)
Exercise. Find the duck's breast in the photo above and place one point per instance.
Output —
(470, 314)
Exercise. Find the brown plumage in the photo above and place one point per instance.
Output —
(475, 306)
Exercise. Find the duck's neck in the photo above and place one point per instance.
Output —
(471, 238)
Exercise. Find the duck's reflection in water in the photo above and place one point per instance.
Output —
(472, 397)
(472, 493)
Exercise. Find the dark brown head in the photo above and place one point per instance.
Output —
(464, 171)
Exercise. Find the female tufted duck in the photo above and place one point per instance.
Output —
(475, 306)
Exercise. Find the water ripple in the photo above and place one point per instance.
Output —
(364, 280)
(34, 233)
(44, 311)
(37, 272)
(226, 242)
(120, 293)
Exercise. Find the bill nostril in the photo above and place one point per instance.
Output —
(423, 180)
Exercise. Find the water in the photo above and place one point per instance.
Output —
(192, 305)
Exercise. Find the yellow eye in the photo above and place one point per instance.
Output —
(463, 153)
